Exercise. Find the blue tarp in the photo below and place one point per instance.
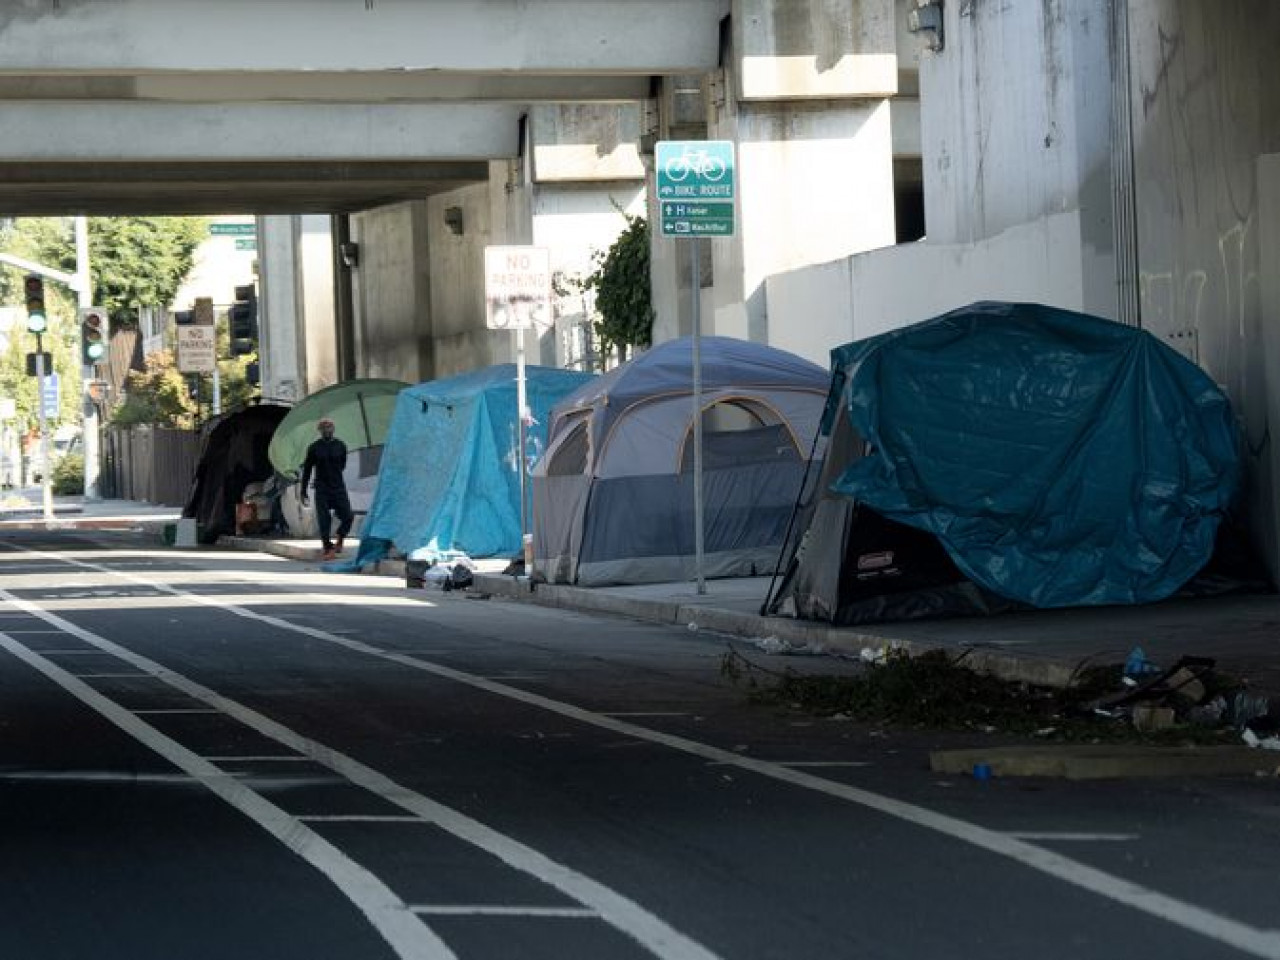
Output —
(1059, 458)
(449, 480)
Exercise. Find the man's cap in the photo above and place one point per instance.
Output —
(324, 421)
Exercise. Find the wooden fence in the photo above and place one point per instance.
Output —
(152, 464)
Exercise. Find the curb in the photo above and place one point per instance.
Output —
(842, 640)
(307, 554)
(1108, 762)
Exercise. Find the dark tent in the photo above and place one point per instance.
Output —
(1010, 454)
(233, 454)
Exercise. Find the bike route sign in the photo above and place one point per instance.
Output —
(695, 187)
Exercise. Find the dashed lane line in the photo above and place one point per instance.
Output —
(625, 915)
(408, 936)
(1248, 939)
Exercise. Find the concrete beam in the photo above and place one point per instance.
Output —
(257, 131)
(399, 87)
(117, 189)
(550, 36)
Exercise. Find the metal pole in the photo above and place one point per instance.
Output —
(46, 481)
(217, 390)
(699, 546)
(521, 403)
(89, 428)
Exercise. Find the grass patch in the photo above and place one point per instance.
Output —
(935, 691)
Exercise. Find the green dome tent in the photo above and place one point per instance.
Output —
(361, 415)
(360, 411)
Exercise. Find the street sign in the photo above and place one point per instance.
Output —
(233, 230)
(196, 349)
(517, 288)
(49, 394)
(246, 243)
(203, 311)
(696, 188)
(31, 363)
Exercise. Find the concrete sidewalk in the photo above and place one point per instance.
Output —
(1045, 646)
(24, 510)
(1042, 646)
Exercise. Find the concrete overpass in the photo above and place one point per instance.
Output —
(439, 126)
(132, 106)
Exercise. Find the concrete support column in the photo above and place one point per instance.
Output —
(316, 301)
(1266, 502)
(804, 94)
(283, 369)
(297, 328)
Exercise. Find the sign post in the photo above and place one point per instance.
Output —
(696, 197)
(517, 285)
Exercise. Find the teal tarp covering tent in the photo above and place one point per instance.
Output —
(449, 478)
(1013, 452)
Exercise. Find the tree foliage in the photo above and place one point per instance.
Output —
(622, 286)
(157, 395)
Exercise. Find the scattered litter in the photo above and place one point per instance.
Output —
(781, 648)
(982, 772)
(457, 572)
(1259, 743)
(1138, 666)
(693, 626)
(872, 655)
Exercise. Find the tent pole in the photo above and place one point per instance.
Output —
(699, 546)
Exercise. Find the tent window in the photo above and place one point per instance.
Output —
(570, 456)
(736, 434)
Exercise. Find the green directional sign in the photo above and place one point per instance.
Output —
(233, 229)
(696, 187)
(246, 243)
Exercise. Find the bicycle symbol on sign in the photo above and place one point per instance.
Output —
(698, 162)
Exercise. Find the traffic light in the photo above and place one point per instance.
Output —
(243, 320)
(37, 320)
(94, 331)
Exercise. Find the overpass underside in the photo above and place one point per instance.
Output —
(154, 106)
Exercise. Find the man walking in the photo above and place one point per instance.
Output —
(328, 457)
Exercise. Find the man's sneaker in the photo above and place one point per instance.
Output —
(329, 554)
(338, 546)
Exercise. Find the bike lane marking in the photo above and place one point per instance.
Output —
(618, 911)
(399, 926)
(1254, 941)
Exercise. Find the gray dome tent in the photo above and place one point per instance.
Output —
(613, 494)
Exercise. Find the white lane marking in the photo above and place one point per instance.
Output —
(404, 932)
(1200, 920)
(56, 653)
(105, 676)
(1073, 837)
(478, 910)
(172, 710)
(510, 677)
(618, 911)
(283, 758)
(804, 763)
(360, 818)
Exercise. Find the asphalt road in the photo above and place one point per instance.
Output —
(227, 755)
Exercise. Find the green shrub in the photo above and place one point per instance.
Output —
(68, 475)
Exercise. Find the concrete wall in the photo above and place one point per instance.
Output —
(574, 221)
(390, 291)
(815, 309)
(1206, 104)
